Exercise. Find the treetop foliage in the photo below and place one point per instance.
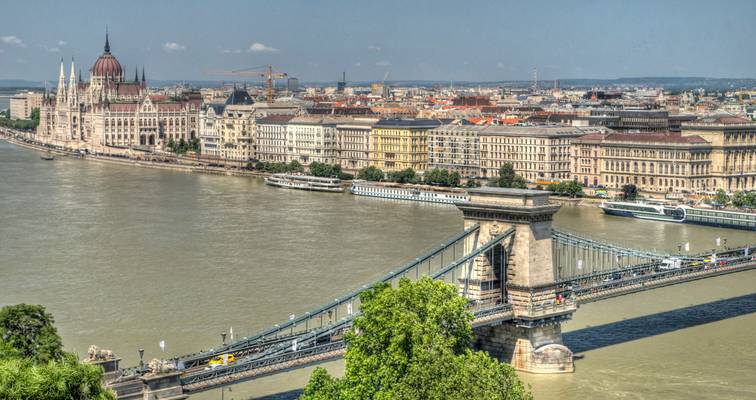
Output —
(413, 342)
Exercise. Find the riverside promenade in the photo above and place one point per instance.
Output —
(166, 161)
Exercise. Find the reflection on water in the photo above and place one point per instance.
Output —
(126, 257)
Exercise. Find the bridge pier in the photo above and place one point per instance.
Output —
(519, 271)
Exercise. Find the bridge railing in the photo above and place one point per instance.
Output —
(575, 255)
(344, 306)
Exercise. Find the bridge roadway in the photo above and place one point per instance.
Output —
(282, 353)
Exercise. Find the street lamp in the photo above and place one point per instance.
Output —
(141, 359)
(223, 338)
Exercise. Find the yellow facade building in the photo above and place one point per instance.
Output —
(397, 144)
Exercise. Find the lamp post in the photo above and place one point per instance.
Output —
(141, 359)
(223, 338)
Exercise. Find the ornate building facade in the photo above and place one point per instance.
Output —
(110, 113)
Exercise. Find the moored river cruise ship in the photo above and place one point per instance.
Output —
(305, 182)
(409, 192)
(682, 214)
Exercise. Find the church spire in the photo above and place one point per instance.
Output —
(72, 92)
(144, 81)
(136, 74)
(60, 98)
(107, 41)
(80, 81)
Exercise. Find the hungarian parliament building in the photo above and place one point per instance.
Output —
(110, 111)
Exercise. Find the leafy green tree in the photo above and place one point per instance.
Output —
(413, 343)
(325, 170)
(370, 173)
(472, 183)
(454, 179)
(437, 176)
(22, 379)
(35, 116)
(171, 146)
(294, 167)
(629, 192)
(721, 198)
(508, 178)
(568, 188)
(30, 331)
(404, 176)
(33, 364)
(194, 145)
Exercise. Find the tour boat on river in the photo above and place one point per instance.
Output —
(409, 192)
(305, 182)
(682, 214)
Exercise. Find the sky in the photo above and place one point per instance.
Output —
(439, 40)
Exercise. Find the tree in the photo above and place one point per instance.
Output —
(194, 145)
(436, 176)
(721, 198)
(29, 330)
(508, 178)
(472, 183)
(22, 379)
(33, 364)
(404, 176)
(171, 146)
(370, 173)
(413, 342)
(568, 188)
(629, 192)
(454, 179)
(325, 170)
(35, 116)
(295, 167)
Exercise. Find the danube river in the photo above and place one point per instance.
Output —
(126, 257)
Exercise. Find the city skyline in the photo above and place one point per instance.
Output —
(421, 41)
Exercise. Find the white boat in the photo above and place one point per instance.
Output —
(681, 213)
(409, 192)
(305, 182)
(658, 212)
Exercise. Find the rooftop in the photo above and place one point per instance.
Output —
(407, 123)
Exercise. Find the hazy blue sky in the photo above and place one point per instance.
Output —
(438, 40)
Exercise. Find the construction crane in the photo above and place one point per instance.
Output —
(269, 75)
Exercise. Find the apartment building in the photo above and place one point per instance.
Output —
(397, 144)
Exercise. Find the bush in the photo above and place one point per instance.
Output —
(370, 173)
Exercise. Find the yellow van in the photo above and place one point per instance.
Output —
(217, 361)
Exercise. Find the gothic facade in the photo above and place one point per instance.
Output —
(109, 112)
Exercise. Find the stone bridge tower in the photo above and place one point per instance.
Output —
(520, 272)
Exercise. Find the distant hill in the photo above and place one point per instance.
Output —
(670, 83)
(20, 83)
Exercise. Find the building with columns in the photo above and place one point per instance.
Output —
(711, 153)
(661, 163)
(733, 150)
(110, 113)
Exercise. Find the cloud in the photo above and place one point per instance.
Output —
(2, 51)
(383, 63)
(358, 64)
(374, 47)
(229, 51)
(52, 49)
(10, 39)
(173, 46)
(499, 65)
(21, 61)
(259, 47)
(62, 43)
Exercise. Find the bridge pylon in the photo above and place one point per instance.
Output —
(518, 271)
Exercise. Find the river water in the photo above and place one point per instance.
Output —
(125, 257)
